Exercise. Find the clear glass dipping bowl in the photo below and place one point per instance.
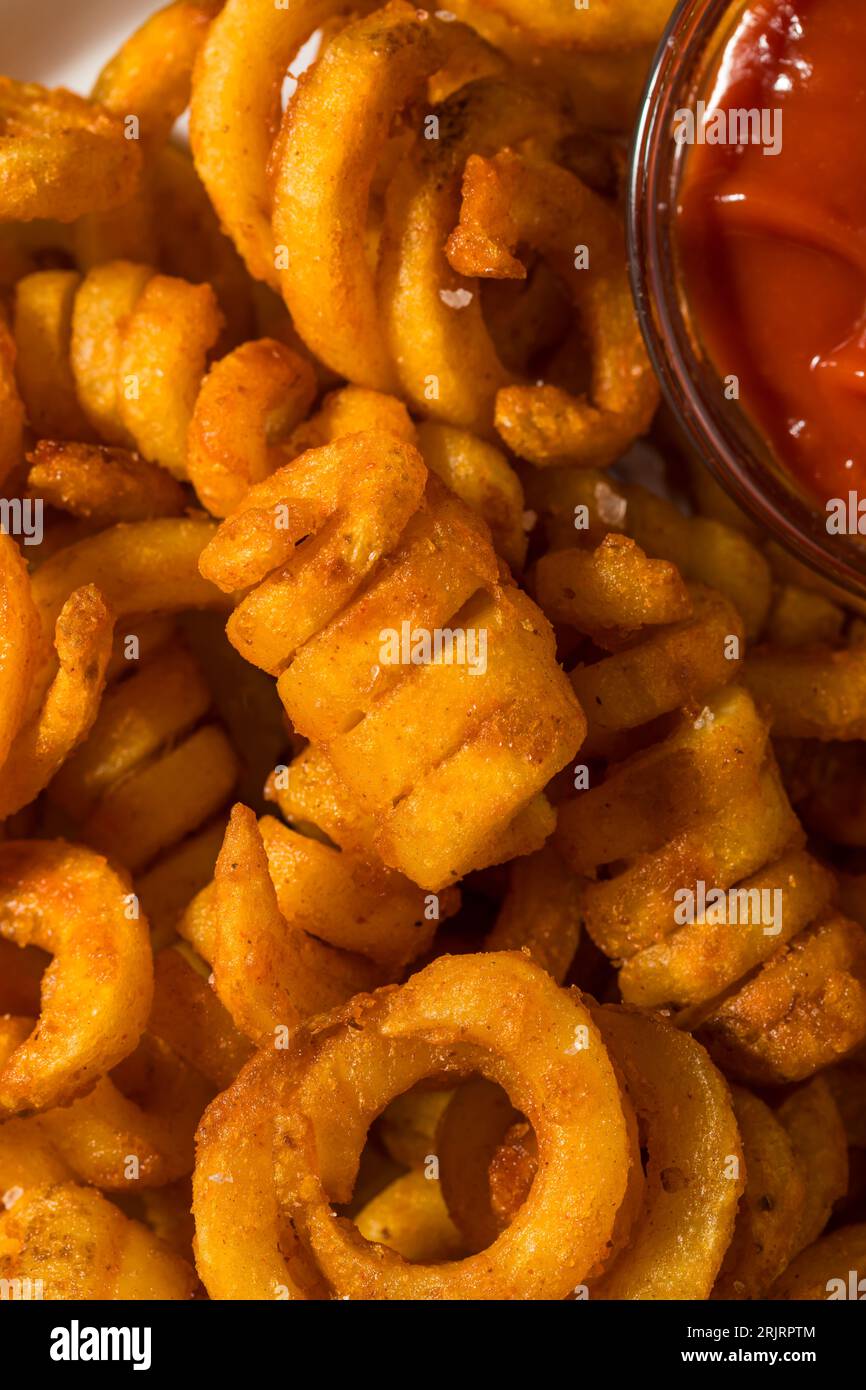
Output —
(718, 431)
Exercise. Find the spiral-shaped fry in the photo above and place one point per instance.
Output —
(68, 901)
(773, 979)
(119, 353)
(528, 1039)
(388, 550)
(60, 156)
(75, 1244)
(511, 200)
(156, 766)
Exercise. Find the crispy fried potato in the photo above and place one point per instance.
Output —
(161, 362)
(60, 155)
(445, 358)
(575, 503)
(150, 74)
(158, 803)
(612, 590)
(683, 662)
(235, 114)
(409, 1216)
(480, 476)
(407, 1127)
(511, 199)
(443, 558)
(81, 1246)
(653, 795)
(694, 1162)
(268, 975)
(191, 244)
(598, 27)
(104, 302)
(82, 642)
(373, 478)
(824, 1270)
(814, 692)
(772, 1206)
(168, 887)
(520, 1031)
(326, 156)
(804, 1010)
(248, 402)
(351, 410)
(799, 618)
(336, 897)
(472, 1129)
(814, 1125)
(189, 1018)
(700, 960)
(540, 913)
(153, 708)
(43, 325)
(19, 632)
(68, 901)
(11, 406)
(137, 1125)
(148, 79)
(142, 567)
(101, 485)
(636, 908)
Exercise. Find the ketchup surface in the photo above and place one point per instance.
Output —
(773, 247)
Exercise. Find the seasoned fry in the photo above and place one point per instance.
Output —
(81, 1246)
(68, 901)
(60, 156)
(101, 485)
(322, 177)
(509, 200)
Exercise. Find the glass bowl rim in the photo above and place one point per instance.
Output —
(731, 450)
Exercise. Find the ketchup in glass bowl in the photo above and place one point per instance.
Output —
(748, 250)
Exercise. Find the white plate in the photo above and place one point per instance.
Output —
(64, 43)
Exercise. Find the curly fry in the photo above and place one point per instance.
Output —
(102, 485)
(445, 357)
(82, 642)
(81, 1246)
(135, 1129)
(11, 406)
(372, 478)
(495, 1012)
(190, 1019)
(103, 304)
(593, 28)
(162, 357)
(150, 75)
(43, 315)
(247, 403)
(68, 901)
(148, 80)
(235, 113)
(19, 629)
(337, 897)
(332, 136)
(142, 567)
(268, 975)
(823, 1270)
(509, 200)
(60, 156)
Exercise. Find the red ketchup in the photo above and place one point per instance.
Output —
(773, 245)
